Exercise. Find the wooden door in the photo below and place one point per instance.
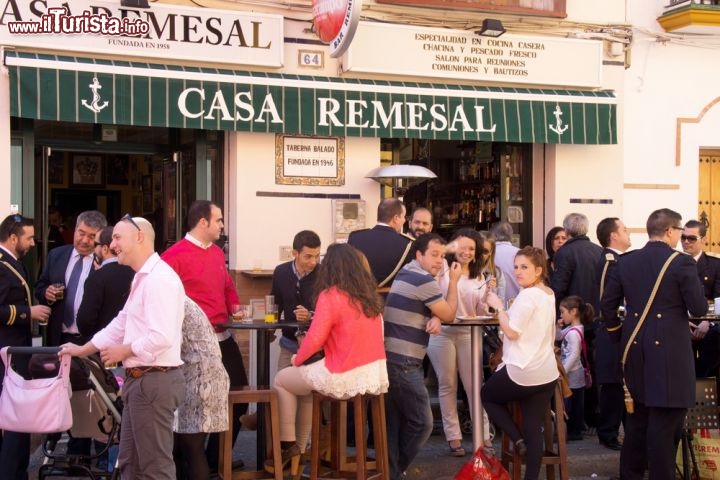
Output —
(709, 197)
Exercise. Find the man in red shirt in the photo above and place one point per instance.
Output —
(200, 264)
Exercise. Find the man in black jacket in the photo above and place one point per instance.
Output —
(106, 289)
(706, 336)
(385, 247)
(615, 240)
(292, 285)
(659, 370)
(16, 315)
(576, 274)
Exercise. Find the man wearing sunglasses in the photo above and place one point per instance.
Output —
(706, 335)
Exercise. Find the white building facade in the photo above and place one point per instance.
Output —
(587, 89)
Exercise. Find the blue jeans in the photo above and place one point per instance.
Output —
(409, 418)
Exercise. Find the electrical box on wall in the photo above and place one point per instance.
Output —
(285, 253)
(348, 215)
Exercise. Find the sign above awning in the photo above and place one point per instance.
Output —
(73, 89)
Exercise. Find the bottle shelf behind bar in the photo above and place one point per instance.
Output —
(477, 182)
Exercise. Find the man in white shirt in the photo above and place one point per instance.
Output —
(505, 253)
(146, 336)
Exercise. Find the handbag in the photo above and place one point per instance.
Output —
(482, 467)
(584, 359)
(39, 405)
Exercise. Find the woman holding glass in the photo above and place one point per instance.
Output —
(528, 371)
(449, 351)
(348, 326)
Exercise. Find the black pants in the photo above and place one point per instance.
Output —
(708, 353)
(233, 363)
(651, 439)
(498, 392)
(189, 456)
(14, 455)
(576, 410)
(612, 410)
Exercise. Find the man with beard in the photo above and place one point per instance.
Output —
(16, 314)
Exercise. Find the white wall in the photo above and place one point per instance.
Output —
(587, 172)
(666, 81)
(607, 11)
(257, 226)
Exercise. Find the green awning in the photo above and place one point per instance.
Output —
(74, 89)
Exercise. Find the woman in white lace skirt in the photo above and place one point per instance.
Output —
(347, 326)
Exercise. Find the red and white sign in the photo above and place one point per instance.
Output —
(335, 22)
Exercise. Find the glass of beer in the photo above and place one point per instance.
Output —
(59, 290)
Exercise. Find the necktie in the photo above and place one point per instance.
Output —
(71, 291)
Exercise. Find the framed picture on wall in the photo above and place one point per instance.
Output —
(56, 169)
(87, 171)
(117, 172)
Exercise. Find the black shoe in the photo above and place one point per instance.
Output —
(612, 444)
(285, 458)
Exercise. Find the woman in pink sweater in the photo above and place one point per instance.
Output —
(348, 326)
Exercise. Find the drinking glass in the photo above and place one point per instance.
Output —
(59, 290)
(246, 312)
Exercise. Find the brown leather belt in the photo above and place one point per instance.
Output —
(137, 372)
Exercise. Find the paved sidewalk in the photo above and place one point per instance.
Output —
(586, 458)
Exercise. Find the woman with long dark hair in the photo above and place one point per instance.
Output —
(554, 239)
(347, 325)
(449, 351)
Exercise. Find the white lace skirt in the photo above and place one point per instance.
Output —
(370, 379)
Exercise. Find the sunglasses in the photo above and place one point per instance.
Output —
(676, 228)
(689, 238)
(128, 218)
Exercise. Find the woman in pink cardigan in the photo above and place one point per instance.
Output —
(348, 326)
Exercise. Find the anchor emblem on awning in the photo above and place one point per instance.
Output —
(96, 106)
(558, 128)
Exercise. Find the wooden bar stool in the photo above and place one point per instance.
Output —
(250, 395)
(342, 465)
(555, 441)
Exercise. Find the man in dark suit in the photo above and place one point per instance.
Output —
(16, 316)
(385, 247)
(706, 336)
(659, 370)
(575, 273)
(615, 240)
(106, 288)
(59, 268)
(70, 265)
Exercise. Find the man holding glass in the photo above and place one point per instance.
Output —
(200, 264)
(292, 286)
(16, 314)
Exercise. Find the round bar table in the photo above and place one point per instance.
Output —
(262, 362)
(476, 357)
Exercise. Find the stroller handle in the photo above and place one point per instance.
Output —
(31, 350)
